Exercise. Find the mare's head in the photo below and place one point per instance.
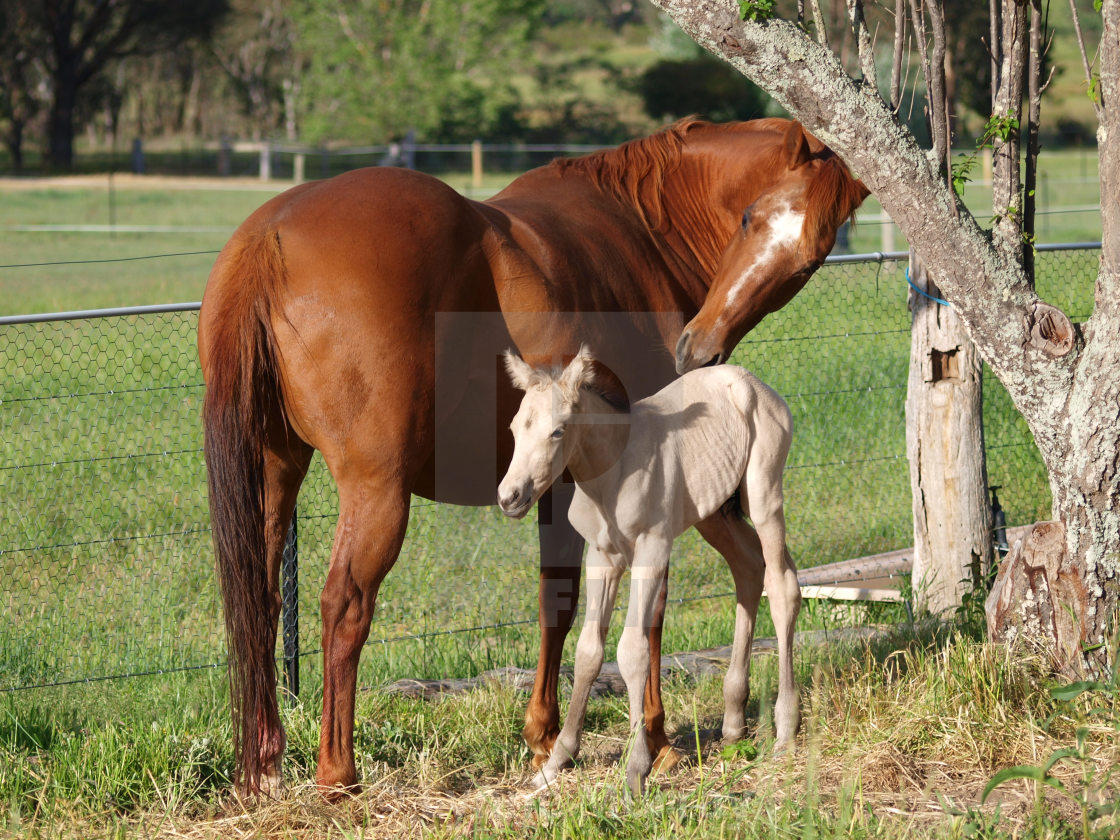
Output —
(786, 231)
(542, 438)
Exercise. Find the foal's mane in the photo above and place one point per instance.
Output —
(544, 378)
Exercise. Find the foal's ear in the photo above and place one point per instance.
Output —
(520, 372)
(579, 372)
(797, 146)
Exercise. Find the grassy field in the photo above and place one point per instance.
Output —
(107, 569)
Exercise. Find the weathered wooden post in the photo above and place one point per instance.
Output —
(266, 161)
(945, 447)
(476, 164)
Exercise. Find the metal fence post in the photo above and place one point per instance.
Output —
(289, 610)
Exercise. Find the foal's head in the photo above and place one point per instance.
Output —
(542, 434)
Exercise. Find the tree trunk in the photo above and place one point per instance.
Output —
(945, 447)
(60, 123)
(13, 140)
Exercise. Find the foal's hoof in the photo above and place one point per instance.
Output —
(668, 758)
(543, 781)
(540, 759)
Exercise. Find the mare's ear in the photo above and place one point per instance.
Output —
(520, 372)
(797, 146)
(579, 372)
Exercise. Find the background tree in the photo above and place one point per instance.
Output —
(1063, 378)
(79, 40)
(257, 48)
(675, 88)
(378, 68)
(20, 76)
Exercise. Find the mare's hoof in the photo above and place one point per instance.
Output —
(269, 786)
(668, 758)
(273, 787)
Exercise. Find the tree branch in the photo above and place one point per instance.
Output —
(1034, 114)
(864, 48)
(1084, 57)
(1108, 136)
(818, 22)
(899, 49)
(1007, 232)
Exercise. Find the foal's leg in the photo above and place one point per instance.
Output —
(783, 591)
(736, 540)
(372, 519)
(560, 561)
(602, 588)
(650, 565)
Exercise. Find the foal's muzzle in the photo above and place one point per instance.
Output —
(515, 501)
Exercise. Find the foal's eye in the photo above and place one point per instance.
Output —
(557, 433)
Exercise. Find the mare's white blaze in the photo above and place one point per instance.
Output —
(785, 230)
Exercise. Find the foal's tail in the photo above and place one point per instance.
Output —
(242, 391)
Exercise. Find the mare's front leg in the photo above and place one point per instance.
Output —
(560, 561)
(665, 756)
(603, 575)
(650, 567)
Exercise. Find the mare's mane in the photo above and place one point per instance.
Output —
(635, 173)
(623, 170)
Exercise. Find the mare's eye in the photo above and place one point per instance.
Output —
(557, 433)
(746, 218)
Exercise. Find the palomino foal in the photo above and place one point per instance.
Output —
(642, 479)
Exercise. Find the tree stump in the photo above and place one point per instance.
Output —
(1040, 597)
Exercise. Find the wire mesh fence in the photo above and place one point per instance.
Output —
(106, 568)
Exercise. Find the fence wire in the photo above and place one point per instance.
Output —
(106, 566)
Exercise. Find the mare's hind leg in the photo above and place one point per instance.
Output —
(373, 516)
(728, 533)
(560, 562)
(286, 462)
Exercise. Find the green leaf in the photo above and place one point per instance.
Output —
(1075, 690)
(1007, 775)
(756, 10)
(1055, 757)
(739, 750)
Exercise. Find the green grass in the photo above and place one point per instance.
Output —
(898, 740)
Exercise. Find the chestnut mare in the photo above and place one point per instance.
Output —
(366, 316)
